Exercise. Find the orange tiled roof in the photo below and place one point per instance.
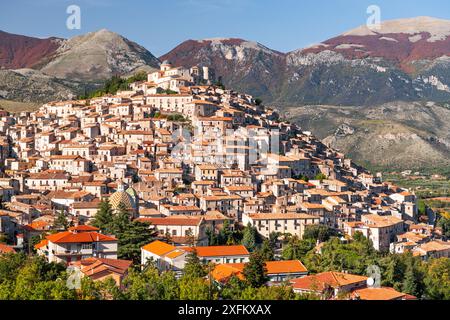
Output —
(223, 272)
(83, 237)
(218, 251)
(6, 249)
(83, 228)
(41, 244)
(159, 248)
(383, 293)
(318, 282)
(93, 266)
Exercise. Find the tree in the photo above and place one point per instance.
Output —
(444, 223)
(353, 257)
(10, 263)
(319, 232)
(194, 267)
(134, 236)
(421, 207)
(320, 176)
(103, 217)
(171, 286)
(410, 282)
(192, 288)
(145, 285)
(61, 222)
(190, 238)
(36, 280)
(213, 239)
(233, 288)
(281, 292)
(267, 251)
(226, 236)
(296, 249)
(437, 279)
(249, 237)
(255, 271)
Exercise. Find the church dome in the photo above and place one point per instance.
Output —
(134, 196)
(132, 192)
(122, 197)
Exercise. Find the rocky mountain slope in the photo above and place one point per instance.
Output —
(97, 56)
(28, 85)
(243, 65)
(397, 135)
(41, 70)
(406, 59)
(18, 51)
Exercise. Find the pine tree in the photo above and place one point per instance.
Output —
(213, 239)
(255, 271)
(409, 282)
(194, 267)
(249, 238)
(267, 251)
(104, 217)
(134, 236)
(226, 234)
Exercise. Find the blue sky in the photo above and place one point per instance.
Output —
(160, 25)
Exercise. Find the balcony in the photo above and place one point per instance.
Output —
(74, 252)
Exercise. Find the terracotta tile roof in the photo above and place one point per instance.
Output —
(286, 266)
(376, 221)
(433, 246)
(86, 205)
(194, 221)
(93, 266)
(219, 251)
(319, 282)
(67, 194)
(159, 248)
(308, 205)
(223, 272)
(6, 249)
(174, 254)
(383, 293)
(83, 237)
(41, 244)
(38, 225)
(184, 208)
(83, 228)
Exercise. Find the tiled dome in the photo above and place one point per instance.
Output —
(121, 197)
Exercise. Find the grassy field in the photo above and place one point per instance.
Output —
(14, 106)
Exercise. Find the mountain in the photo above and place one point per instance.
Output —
(379, 95)
(28, 85)
(97, 56)
(406, 59)
(395, 135)
(243, 65)
(41, 70)
(17, 51)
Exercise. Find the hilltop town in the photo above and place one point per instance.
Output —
(196, 164)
